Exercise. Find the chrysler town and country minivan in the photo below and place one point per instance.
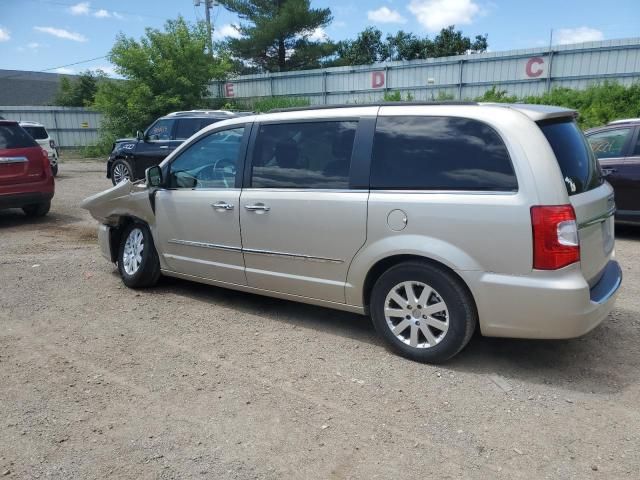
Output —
(434, 219)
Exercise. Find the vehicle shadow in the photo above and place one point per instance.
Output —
(604, 361)
(15, 218)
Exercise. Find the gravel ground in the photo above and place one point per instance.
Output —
(192, 381)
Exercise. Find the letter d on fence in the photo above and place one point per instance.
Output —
(377, 79)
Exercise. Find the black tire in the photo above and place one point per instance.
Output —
(121, 164)
(462, 313)
(148, 271)
(54, 170)
(37, 210)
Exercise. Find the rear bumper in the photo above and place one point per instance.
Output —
(19, 200)
(546, 305)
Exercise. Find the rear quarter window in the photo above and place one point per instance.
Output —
(13, 135)
(439, 153)
(575, 157)
(38, 133)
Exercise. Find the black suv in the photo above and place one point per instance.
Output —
(130, 157)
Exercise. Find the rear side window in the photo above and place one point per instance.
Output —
(303, 155)
(39, 133)
(577, 161)
(439, 153)
(14, 136)
(161, 130)
(610, 143)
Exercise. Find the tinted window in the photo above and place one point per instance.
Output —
(14, 136)
(577, 162)
(39, 133)
(439, 153)
(161, 130)
(208, 163)
(636, 149)
(303, 155)
(609, 144)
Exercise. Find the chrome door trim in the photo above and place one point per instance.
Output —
(190, 243)
(292, 255)
(13, 160)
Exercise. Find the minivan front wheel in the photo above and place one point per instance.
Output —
(422, 311)
(138, 262)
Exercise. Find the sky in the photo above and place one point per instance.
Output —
(52, 35)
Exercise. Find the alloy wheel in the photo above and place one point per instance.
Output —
(133, 248)
(416, 314)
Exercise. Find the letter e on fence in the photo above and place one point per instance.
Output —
(534, 67)
(377, 79)
(228, 90)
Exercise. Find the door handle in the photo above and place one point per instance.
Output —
(222, 206)
(164, 146)
(258, 207)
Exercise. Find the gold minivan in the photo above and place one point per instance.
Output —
(435, 219)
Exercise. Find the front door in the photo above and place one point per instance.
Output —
(197, 215)
(301, 223)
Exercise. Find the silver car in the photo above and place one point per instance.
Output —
(434, 219)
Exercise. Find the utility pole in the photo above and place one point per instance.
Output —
(208, 5)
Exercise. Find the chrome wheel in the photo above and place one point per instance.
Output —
(120, 173)
(416, 314)
(132, 255)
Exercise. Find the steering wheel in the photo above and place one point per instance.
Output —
(216, 171)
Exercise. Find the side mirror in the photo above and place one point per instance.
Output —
(139, 135)
(153, 176)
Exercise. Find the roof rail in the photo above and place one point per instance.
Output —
(372, 104)
(199, 112)
(624, 120)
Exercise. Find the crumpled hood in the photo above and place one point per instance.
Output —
(125, 199)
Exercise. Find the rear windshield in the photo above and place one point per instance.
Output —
(577, 162)
(13, 136)
(39, 133)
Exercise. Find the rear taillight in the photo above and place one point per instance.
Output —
(46, 164)
(555, 237)
(52, 144)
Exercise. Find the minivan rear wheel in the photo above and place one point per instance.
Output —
(138, 262)
(422, 311)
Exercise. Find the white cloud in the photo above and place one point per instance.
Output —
(4, 35)
(339, 24)
(62, 33)
(437, 14)
(81, 8)
(102, 13)
(318, 35)
(117, 15)
(385, 15)
(577, 35)
(225, 31)
(65, 70)
(34, 45)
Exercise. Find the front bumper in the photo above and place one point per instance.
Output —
(104, 241)
(545, 305)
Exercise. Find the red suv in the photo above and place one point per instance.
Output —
(26, 180)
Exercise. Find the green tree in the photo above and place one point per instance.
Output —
(81, 91)
(369, 46)
(276, 34)
(163, 71)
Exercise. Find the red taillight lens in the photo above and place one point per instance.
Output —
(555, 237)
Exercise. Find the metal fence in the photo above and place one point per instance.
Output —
(519, 72)
(68, 126)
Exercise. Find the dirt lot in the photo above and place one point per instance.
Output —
(192, 381)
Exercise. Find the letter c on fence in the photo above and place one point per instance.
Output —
(228, 90)
(529, 68)
(377, 79)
